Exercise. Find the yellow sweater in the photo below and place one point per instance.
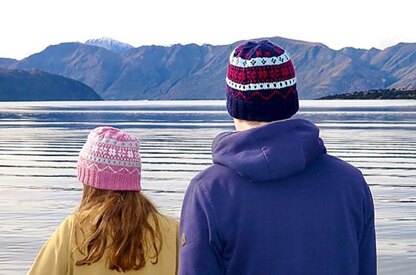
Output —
(55, 256)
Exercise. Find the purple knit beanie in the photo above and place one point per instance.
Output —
(110, 160)
(261, 83)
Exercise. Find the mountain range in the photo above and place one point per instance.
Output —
(198, 71)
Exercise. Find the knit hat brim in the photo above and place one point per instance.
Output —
(108, 180)
(276, 109)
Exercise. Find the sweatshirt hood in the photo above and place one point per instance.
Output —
(269, 152)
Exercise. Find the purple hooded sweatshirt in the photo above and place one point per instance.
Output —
(274, 202)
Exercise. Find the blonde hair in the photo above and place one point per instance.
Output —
(122, 226)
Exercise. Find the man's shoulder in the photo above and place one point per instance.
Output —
(341, 172)
(215, 177)
(214, 173)
(339, 166)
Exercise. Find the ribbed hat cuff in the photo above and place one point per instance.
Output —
(109, 180)
(266, 111)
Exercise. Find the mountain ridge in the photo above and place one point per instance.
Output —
(194, 71)
(6, 62)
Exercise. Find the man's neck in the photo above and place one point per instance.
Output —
(242, 125)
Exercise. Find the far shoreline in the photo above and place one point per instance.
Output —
(381, 94)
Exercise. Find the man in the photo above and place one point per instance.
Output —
(274, 202)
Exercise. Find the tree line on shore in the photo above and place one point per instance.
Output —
(376, 94)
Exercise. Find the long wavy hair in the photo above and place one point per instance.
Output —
(122, 226)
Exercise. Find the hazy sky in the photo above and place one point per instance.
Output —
(28, 26)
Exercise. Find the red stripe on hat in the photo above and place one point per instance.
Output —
(261, 74)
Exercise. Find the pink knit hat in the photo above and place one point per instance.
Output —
(110, 160)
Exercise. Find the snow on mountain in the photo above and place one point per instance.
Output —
(110, 44)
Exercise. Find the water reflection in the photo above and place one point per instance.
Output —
(39, 144)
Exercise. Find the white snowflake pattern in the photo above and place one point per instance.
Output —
(122, 153)
(112, 152)
(102, 150)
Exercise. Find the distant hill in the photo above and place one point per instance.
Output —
(376, 94)
(110, 44)
(197, 72)
(6, 62)
(94, 66)
(35, 85)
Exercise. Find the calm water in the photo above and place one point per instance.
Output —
(39, 143)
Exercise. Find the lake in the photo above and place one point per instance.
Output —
(40, 142)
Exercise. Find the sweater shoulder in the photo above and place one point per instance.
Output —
(341, 167)
(215, 176)
(168, 224)
(343, 174)
(66, 228)
(215, 172)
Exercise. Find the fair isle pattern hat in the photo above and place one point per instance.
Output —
(261, 83)
(110, 160)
